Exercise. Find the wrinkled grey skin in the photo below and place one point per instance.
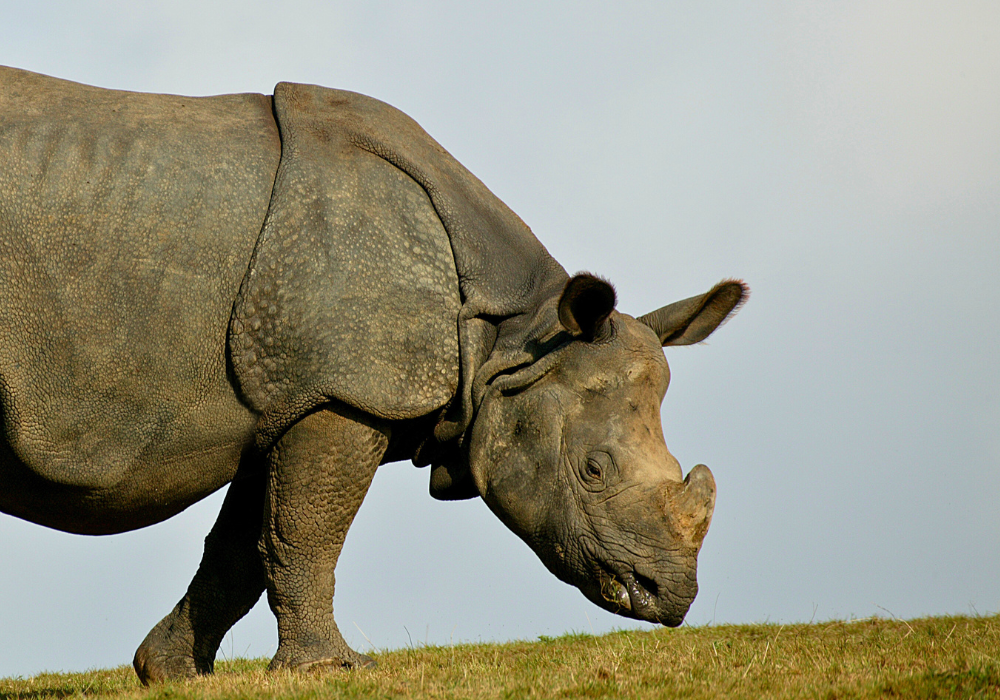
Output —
(281, 293)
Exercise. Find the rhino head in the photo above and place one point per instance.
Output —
(569, 452)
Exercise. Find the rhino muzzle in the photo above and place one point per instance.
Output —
(659, 588)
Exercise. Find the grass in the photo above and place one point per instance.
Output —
(943, 657)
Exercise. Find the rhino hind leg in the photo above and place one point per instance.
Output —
(228, 583)
(318, 475)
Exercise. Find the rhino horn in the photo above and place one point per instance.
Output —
(691, 504)
(694, 319)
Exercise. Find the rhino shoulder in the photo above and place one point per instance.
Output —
(352, 292)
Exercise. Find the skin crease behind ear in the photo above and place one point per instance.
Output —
(692, 320)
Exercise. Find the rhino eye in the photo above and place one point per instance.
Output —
(594, 470)
(597, 470)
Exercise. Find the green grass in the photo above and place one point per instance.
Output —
(944, 657)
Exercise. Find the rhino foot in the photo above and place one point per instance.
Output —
(324, 658)
(159, 668)
(166, 654)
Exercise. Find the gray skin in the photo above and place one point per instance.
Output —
(281, 293)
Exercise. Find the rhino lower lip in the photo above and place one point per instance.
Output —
(629, 593)
(613, 591)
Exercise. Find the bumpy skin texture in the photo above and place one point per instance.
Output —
(315, 488)
(337, 244)
(376, 242)
(283, 293)
(126, 224)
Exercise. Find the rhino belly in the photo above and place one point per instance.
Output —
(126, 225)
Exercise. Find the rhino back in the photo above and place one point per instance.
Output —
(126, 224)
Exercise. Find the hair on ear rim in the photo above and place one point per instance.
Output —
(585, 304)
(692, 320)
(744, 297)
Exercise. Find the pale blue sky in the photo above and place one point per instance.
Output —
(843, 158)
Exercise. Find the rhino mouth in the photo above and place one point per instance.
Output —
(632, 595)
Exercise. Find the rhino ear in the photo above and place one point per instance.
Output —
(585, 304)
(692, 320)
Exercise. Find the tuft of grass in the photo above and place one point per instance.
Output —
(943, 657)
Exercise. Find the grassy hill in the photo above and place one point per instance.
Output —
(944, 657)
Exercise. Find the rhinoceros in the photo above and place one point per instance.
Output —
(282, 292)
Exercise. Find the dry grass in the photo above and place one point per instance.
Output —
(946, 657)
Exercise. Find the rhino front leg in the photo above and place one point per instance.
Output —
(229, 582)
(319, 473)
